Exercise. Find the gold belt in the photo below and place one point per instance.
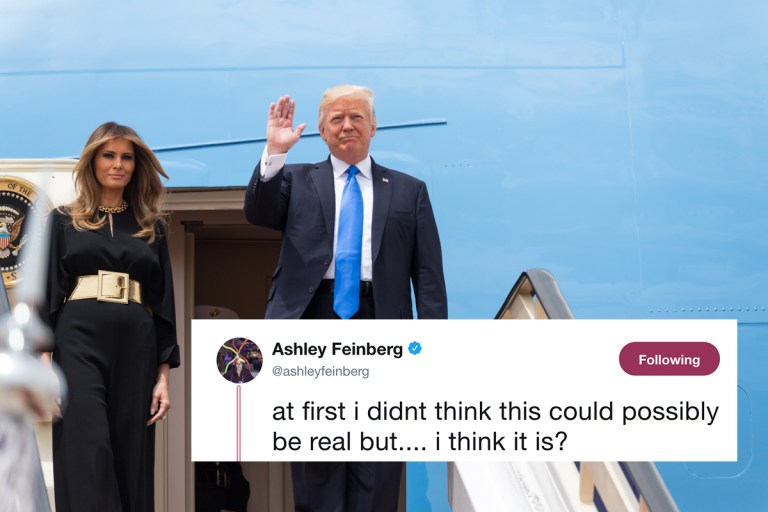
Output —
(108, 287)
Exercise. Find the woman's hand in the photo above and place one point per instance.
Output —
(45, 357)
(161, 402)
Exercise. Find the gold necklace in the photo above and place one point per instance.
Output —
(114, 209)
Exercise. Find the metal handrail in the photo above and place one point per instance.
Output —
(22, 486)
(28, 388)
(651, 486)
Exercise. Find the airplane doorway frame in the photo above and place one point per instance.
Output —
(196, 215)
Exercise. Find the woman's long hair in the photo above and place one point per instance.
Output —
(145, 192)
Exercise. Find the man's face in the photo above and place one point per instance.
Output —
(348, 128)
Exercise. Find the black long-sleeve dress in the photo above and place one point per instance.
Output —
(103, 452)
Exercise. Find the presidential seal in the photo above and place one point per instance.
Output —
(18, 198)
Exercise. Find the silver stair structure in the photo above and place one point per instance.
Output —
(29, 388)
(585, 486)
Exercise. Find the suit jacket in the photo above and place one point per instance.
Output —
(300, 202)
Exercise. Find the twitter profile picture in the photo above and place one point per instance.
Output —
(239, 360)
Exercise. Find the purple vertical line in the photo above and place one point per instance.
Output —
(237, 434)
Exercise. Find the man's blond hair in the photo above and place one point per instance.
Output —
(334, 93)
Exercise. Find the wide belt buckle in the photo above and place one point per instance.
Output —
(113, 287)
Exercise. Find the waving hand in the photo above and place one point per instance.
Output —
(280, 133)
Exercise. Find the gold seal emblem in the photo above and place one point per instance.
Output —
(18, 198)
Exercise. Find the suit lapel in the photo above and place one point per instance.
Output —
(382, 196)
(322, 176)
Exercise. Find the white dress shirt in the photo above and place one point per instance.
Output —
(271, 165)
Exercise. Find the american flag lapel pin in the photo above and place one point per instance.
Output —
(385, 180)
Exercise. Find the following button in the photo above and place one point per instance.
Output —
(669, 358)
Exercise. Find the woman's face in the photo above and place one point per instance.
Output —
(114, 164)
(239, 365)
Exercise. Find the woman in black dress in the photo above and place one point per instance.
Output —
(110, 303)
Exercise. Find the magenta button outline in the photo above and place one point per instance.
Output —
(708, 355)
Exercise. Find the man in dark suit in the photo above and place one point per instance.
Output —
(396, 245)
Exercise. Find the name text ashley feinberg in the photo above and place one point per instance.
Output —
(337, 349)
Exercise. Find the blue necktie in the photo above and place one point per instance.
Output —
(349, 248)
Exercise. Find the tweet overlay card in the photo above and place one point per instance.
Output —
(485, 390)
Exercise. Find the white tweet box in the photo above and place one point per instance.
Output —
(474, 390)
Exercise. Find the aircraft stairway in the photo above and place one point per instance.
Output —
(27, 392)
(553, 486)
